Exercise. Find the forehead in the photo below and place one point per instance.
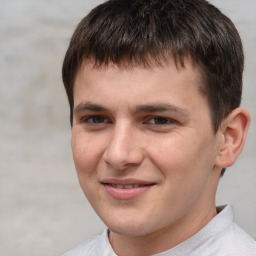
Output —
(168, 83)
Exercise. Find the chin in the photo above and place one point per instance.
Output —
(129, 226)
(132, 231)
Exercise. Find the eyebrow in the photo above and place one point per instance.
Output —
(161, 108)
(152, 108)
(89, 106)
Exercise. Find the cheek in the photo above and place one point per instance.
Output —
(87, 152)
(86, 158)
(170, 153)
(187, 168)
(184, 157)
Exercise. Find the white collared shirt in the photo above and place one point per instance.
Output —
(220, 237)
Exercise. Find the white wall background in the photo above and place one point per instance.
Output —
(42, 208)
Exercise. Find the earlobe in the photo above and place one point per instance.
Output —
(233, 132)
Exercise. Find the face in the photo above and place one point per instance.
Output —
(144, 146)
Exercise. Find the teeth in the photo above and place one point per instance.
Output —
(128, 186)
(125, 186)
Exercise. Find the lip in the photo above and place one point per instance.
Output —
(112, 187)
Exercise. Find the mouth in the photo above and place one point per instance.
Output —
(127, 186)
(125, 190)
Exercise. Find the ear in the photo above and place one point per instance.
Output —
(233, 132)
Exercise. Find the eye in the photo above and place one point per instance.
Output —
(96, 119)
(161, 121)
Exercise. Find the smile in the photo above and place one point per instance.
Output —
(126, 191)
(128, 186)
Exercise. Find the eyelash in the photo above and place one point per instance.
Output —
(87, 119)
(167, 121)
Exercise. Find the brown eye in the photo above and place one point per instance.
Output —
(96, 119)
(160, 121)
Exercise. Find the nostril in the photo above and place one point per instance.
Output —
(122, 149)
(122, 161)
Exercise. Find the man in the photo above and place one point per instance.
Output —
(154, 89)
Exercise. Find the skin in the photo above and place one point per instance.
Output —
(147, 125)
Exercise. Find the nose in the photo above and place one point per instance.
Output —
(123, 149)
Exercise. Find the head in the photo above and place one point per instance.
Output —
(126, 62)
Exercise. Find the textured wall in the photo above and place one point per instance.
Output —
(42, 209)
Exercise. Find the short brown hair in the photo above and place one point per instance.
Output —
(137, 31)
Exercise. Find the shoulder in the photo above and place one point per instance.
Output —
(232, 239)
(235, 241)
(95, 246)
(222, 237)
